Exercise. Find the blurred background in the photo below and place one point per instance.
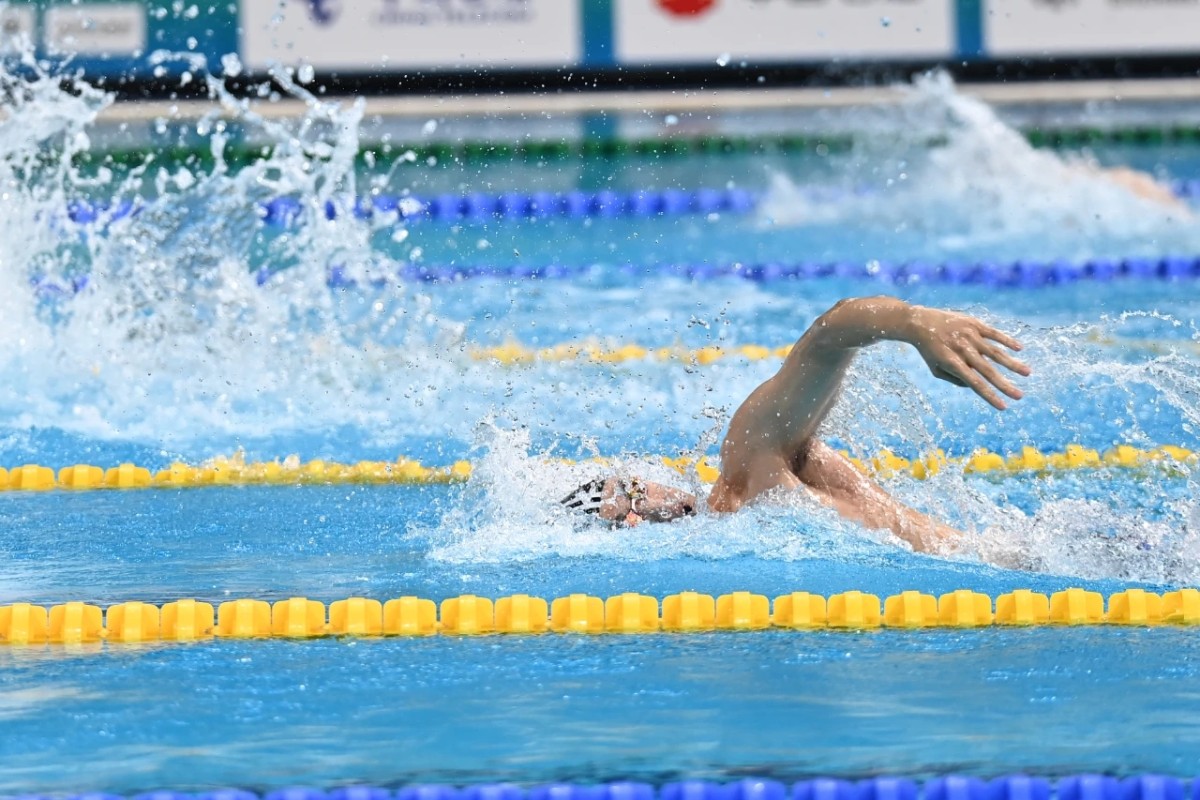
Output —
(406, 46)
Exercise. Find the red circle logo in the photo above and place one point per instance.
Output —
(686, 8)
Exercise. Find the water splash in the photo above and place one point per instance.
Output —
(175, 342)
(510, 512)
(42, 131)
(1129, 526)
(943, 165)
(173, 326)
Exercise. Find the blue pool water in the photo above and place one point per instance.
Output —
(268, 714)
(175, 352)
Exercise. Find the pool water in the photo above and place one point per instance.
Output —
(174, 351)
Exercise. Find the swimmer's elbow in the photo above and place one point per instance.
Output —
(857, 321)
(838, 312)
(851, 311)
(832, 332)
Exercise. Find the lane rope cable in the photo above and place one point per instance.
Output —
(1022, 274)
(1144, 786)
(288, 211)
(514, 353)
(77, 622)
(291, 471)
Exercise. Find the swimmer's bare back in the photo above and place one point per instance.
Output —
(772, 441)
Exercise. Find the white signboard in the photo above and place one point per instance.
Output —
(366, 35)
(1034, 27)
(16, 24)
(724, 31)
(97, 29)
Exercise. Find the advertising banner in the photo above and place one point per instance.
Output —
(1080, 27)
(708, 31)
(17, 24)
(110, 30)
(381, 35)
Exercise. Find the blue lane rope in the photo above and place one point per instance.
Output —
(1017, 274)
(1023, 274)
(951, 787)
(1185, 189)
(286, 211)
(477, 206)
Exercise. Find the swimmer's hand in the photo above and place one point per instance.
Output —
(964, 351)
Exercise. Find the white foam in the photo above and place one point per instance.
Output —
(510, 512)
(980, 187)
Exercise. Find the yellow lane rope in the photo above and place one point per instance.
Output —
(514, 353)
(236, 471)
(78, 623)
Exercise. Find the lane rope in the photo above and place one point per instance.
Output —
(189, 619)
(235, 471)
(481, 207)
(1026, 273)
(1023, 274)
(948, 787)
(514, 353)
(287, 211)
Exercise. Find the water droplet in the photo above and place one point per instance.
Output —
(305, 74)
(231, 65)
(184, 179)
(723, 60)
(885, 21)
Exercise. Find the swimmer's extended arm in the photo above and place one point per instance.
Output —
(778, 419)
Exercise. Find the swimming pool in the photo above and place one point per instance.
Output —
(203, 330)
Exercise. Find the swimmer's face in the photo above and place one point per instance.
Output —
(635, 501)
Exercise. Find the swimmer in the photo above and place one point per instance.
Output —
(1143, 185)
(772, 440)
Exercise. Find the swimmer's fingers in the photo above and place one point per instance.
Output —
(1005, 360)
(955, 366)
(998, 355)
(988, 332)
(988, 370)
(942, 374)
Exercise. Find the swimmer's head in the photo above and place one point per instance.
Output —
(630, 501)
